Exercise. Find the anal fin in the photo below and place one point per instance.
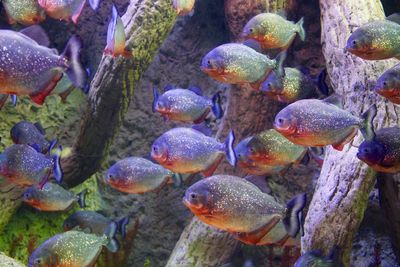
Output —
(339, 146)
(41, 96)
(253, 238)
(213, 167)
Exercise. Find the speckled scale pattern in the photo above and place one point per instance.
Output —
(390, 138)
(137, 175)
(295, 86)
(188, 150)
(95, 222)
(388, 84)
(26, 12)
(381, 39)
(27, 133)
(241, 63)
(236, 205)
(69, 249)
(183, 105)
(319, 123)
(183, 7)
(23, 165)
(271, 30)
(272, 148)
(26, 68)
(51, 197)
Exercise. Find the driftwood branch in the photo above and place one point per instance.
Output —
(147, 24)
(342, 191)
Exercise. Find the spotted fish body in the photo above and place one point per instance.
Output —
(375, 40)
(235, 205)
(183, 7)
(87, 219)
(239, 64)
(271, 148)
(184, 105)
(72, 249)
(185, 150)
(27, 133)
(294, 86)
(23, 165)
(138, 175)
(388, 84)
(315, 259)
(26, 12)
(250, 166)
(315, 123)
(52, 197)
(64, 9)
(273, 31)
(27, 68)
(383, 152)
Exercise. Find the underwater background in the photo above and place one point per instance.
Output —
(167, 49)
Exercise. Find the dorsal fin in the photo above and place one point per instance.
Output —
(395, 17)
(36, 33)
(196, 90)
(253, 45)
(334, 99)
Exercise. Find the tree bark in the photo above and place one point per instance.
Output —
(9, 262)
(248, 112)
(147, 23)
(342, 191)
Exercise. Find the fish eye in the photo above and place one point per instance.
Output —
(110, 176)
(384, 83)
(155, 149)
(251, 30)
(209, 62)
(280, 120)
(27, 195)
(193, 196)
(354, 42)
(38, 261)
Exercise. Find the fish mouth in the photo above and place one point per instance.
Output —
(286, 130)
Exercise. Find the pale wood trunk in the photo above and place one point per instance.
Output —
(342, 191)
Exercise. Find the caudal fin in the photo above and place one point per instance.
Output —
(321, 83)
(216, 107)
(57, 171)
(300, 29)
(280, 58)
(293, 216)
(177, 179)
(116, 38)
(81, 198)
(94, 4)
(75, 71)
(155, 99)
(367, 129)
(122, 223)
(110, 232)
(229, 150)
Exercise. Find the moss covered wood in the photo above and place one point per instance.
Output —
(200, 244)
(147, 23)
(343, 188)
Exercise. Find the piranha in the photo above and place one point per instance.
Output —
(66, 9)
(239, 64)
(52, 197)
(271, 148)
(93, 221)
(73, 249)
(382, 153)
(273, 31)
(315, 123)
(239, 207)
(295, 85)
(138, 175)
(186, 105)
(250, 166)
(23, 165)
(184, 7)
(31, 134)
(116, 38)
(185, 150)
(388, 84)
(375, 40)
(28, 68)
(316, 259)
(25, 12)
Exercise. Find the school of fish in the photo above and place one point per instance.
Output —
(312, 117)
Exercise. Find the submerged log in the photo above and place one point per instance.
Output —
(342, 191)
(147, 24)
(248, 112)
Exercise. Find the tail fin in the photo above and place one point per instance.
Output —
(367, 129)
(122, 223)
(110, 232)
(280, 58)
(293, 216)
(317, 153)
(155, 98)
(94, 4)
(14, 100)
(81, 198)
(216, 107)
(116, 38)
(229, 151)
(57, 171)
(3, 99)
(322, 86)
(75, 71)
(301, 31)
(177, 179)
(52, 144)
